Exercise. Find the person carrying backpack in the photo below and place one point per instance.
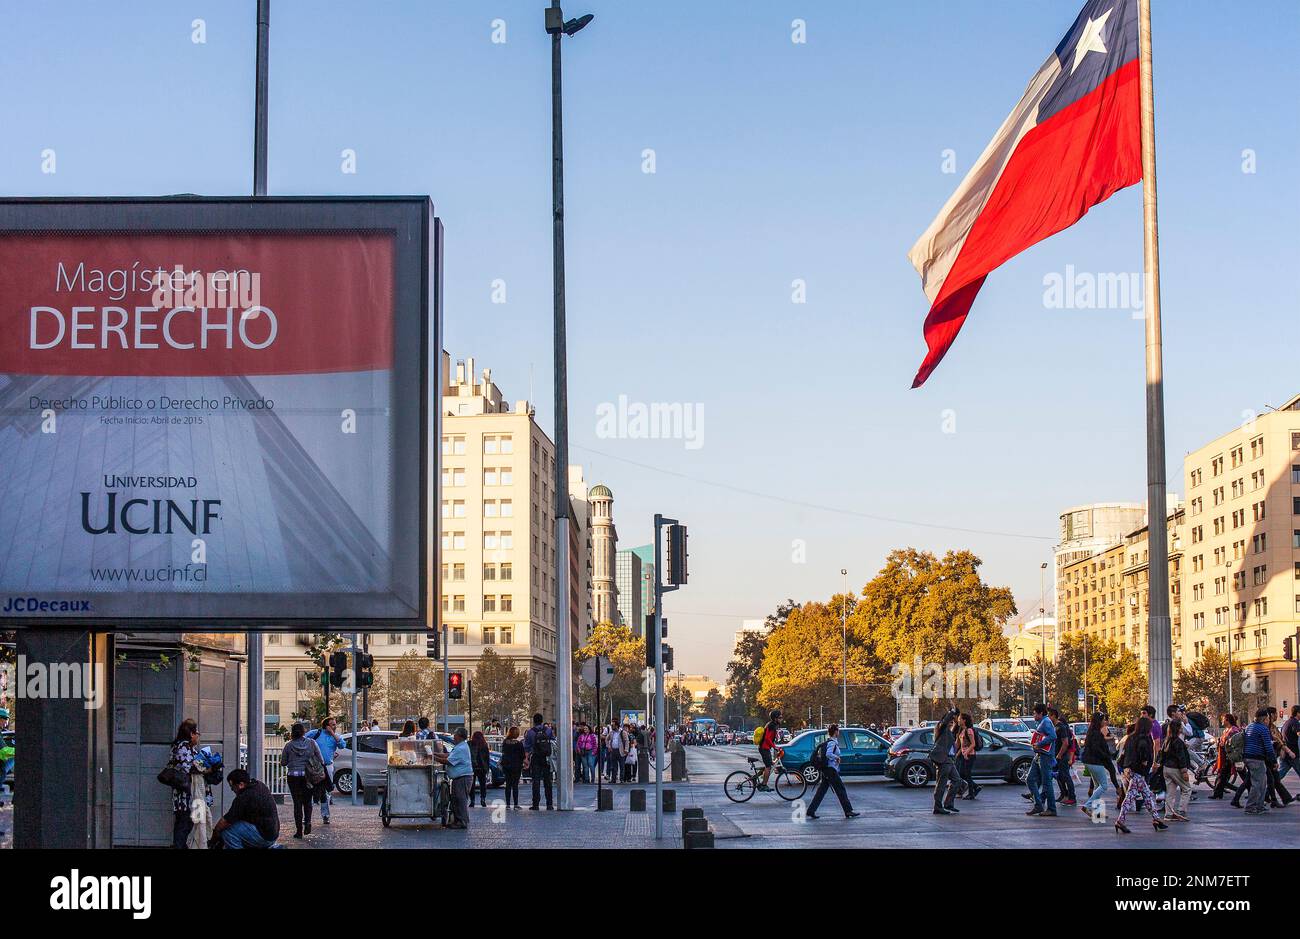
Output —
(539, 743)
(765, 745)
(1231, 753)
(826, 759)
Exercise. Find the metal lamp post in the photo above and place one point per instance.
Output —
(844, 654)
(557, 28)
(1042, 622)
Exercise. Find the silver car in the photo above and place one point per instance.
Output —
(372, 757)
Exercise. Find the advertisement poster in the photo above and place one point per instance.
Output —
(223, 423)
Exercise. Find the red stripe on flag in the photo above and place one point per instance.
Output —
(1060, 170)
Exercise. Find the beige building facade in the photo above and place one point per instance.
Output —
(497, 555)
(1243, 546)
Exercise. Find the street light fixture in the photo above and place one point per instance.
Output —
(556, 27)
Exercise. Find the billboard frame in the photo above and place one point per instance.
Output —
(418, 238)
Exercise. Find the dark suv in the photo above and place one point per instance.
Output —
(998, 758)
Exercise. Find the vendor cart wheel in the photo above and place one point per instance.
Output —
(385, 818)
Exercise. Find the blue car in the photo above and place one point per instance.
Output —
(862, 753)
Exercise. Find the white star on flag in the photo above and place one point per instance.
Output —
(1092, 39)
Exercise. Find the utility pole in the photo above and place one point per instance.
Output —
(356, 672)
(254, 639)
(677, 577)
(1042, 622)
(844, 650)
(557, 28)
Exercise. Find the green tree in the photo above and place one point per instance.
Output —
(501, 691)
(679, 703)
(714, 705)
(1115, 675)
(626, 653)
(1204, 684)
(747, 661)
(414, 690)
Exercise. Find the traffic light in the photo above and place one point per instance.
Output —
(668, 658)
(338, 665)
(1288, 648)
(455, 683)
(431, 649)
(676, 555)
(366, 670)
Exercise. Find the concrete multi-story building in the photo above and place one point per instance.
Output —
(497, 558)
(1105, 595)
(1089, 529)
(627, 578)
(1242, 592)
(604, 547)
(1032, 638)
(647, 555)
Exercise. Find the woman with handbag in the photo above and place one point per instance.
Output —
(481, 761)
(305, 768)
(179, 774)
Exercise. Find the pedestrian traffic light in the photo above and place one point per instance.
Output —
(455, 682)
(676, 555)
(1288, 648)
(325, 677)
(338, 665)
(365, 670)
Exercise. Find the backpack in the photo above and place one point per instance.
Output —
(1236, 748)
(979, 741)
(758, 734)
(819, 756)
(541, 743)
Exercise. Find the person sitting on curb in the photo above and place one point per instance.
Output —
(252, 820)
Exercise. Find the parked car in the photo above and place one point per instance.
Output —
(909, 763)
(372, 757)
(1012, 728)
(893, 733)
(862, 753)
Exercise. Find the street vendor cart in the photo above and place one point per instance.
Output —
(417, 785)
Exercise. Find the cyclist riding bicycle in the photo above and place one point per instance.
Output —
(765, 747)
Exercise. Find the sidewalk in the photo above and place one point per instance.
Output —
(497, 827)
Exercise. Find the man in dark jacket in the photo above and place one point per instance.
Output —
(539, 742)
(944, 757)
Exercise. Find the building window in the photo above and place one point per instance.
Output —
(1295, 474)
(489, 572)
(507, 508)
(458, 604)
(446, 603)
(490, 509)
(458, 572)
(507, 635)
(453, 446)
(453, 541)
(1295, 441)
(489, 635)
(490, 541)
(506, 572)
(489, 603)
(1261, 542)
(507, 603)
(507, 540)
(272, 639)
(490, 445)
(458, 635)
(271, 680)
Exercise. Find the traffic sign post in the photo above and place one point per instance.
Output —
(676, 578)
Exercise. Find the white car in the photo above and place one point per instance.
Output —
(1014, 730)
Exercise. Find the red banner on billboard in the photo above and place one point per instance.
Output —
(195, 304)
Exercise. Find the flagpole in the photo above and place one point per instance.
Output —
(1159, 633)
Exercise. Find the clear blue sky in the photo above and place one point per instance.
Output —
(775, 161)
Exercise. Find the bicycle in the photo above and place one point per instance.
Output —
(741, 785)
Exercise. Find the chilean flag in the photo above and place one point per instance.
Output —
(1072, 141)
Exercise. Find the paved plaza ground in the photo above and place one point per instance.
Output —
(891, 817)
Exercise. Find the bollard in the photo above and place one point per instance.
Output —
(638, 800)
(698, 839)
(606, 801)
(370, 795)
(694, 824)
(692, 812)
(670, 800)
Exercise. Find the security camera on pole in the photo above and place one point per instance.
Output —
(676, 578)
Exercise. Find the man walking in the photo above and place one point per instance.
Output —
(828, 764)
(1066, 748)
(1258, 752)
(1291, 737)
(943, 755)
(538, 744)
(1041, 787)
(328, 740)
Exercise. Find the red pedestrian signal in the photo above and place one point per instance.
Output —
(455, 682)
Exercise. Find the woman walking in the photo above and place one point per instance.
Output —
(1101, 768)
(587, 744)
(305, 768)
(1139, 752)
(185, 746)
(966, 755)
(1223, 765)
(482, 763)
(512, 764)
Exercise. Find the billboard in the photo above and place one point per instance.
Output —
(215, 412)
